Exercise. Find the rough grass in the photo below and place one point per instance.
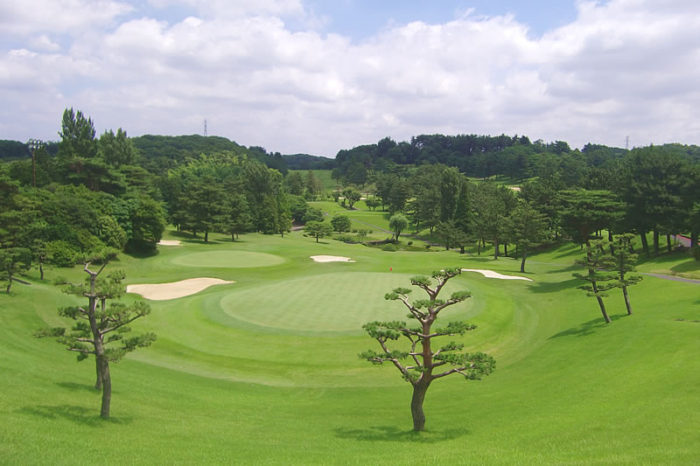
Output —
(249, 384)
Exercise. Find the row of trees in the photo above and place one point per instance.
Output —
(96, 193)
(654, 189)
(514, 157)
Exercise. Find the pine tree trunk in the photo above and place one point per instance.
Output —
(206, 236)
(594, 285)
(627, 300)
(106, 389)
(41, 270)
(602, 309)
(98, 379)
(495, 248)
(419, 391)
(645, 244)
(656, 242)
(505, 249)
(668, 242)
(522, 263)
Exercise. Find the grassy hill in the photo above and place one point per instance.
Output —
(265, 370)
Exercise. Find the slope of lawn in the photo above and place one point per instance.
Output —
(265, 370)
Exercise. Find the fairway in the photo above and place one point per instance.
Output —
(228, 259)
(333, 302)
(266, 371)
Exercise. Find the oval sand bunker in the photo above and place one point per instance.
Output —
(164, 291)
(331, 259)
(492, 274)
(170, 242)
(228, 259)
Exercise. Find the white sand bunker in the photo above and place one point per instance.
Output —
(169, 242)
(331, 259)
(492, 274)
(163, 291)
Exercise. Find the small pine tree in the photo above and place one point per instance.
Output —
(597, 263)
(99, 329)
(624, 261)
(423, 357)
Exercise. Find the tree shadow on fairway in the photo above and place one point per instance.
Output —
(78, 387)
(587, 328)
(76, 414)
(545, 287)
(394, 434)
(570, 268)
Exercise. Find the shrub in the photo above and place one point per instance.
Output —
(345, 238)
(61, 253)
(390, 247)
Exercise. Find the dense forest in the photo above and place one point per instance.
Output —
(84, 196)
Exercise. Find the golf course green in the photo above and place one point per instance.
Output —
(266, 371)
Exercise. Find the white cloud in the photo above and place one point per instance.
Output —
(625, 67)
(29, 17)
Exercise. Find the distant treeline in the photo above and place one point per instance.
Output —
(515, 157)
(165, 152)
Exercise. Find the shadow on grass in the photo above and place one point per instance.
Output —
(563, 268)
(574, 251)
(79, 387)
(394, 434)
(142, 254)
(76, 414)
(691, 267)
(663, 257)
(555, 287)
(587, 328)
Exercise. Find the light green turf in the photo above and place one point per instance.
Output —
(332, 302)
(227, 259)
(237, 376)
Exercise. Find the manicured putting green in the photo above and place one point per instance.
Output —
(334, 302)
(226, 259)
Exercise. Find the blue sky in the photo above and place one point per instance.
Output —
(318, 76)
(361, 19)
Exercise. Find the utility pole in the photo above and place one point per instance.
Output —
(34, 145)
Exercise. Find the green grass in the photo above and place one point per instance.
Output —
(265, 371)
(324, 176)
(227, 259)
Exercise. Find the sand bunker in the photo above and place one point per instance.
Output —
(331, 259)
(163, 291)
(492, 274)
(169, 242)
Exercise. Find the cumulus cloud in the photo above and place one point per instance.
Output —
(625, 67)
(30, 17)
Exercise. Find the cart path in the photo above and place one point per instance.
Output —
(673, 278)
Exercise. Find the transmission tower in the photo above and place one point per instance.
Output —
(205, 128)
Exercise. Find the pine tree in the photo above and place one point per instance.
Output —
(99, 329)
(599, 280)
(624, 261)
(423, 357)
